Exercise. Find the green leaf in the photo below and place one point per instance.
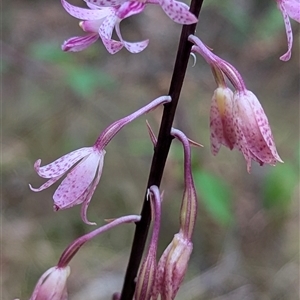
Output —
(215, 195)
(279, 187)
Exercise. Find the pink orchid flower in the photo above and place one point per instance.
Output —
(237, 120)
(52, 285)
(175, 10)
(100, 22)
(83, 167)
(289, 9)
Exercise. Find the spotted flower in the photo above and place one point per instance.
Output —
(237, 119)
(99, 22)
(176, 10)
(103, 16)
(82, 168)
(289, 9)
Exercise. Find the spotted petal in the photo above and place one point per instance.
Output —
(134, 47)
(178, 11)
(62, 164)
(87, 195)
(105, 3)
(293, 9)
(77, 181)
(85, 13)
(221, 120)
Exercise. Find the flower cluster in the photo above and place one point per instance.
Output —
(237, 119)
(103, 16)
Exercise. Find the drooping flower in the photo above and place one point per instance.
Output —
(237, 120)
(289, 9)
(52, 285)
(81, 181)
(83, 167)
(173, 263)
(100, 22)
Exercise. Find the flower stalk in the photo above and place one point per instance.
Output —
(160, 152)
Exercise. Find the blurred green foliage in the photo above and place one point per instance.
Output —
(215, 195)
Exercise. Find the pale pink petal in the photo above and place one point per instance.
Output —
(221, 120)
(77, 181)
(52, 285)
(131, 47)
(293, 9)
(85, 13)
(87, 195)
(178, 11)
(253, 131)
(107, 27)
(46, 184)
(105, 3)
(91, 26)
(136, 47)
(264, 127)
(112, 46)
(62, 164)
(130, 8)
(79, 43)
(289, 33)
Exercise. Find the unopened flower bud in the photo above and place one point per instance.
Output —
(52, 285)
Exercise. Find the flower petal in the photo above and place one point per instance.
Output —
(107, 27)
(77, 181)
(62, 164)
(130, 8)
(79, 43)
(293, 9)
(87, 195)
(135, 47)
(221, 120)
(178, 11)
(46, 184)
(105, 3)
(112, 46)
(85, 13)
(253, 130)
(289, 33)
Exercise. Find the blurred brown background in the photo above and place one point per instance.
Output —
(246, 243)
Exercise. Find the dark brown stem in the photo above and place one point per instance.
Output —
(160, 152)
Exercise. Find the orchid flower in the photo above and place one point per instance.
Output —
(83, 167)
(173, 263)
(100, 22)
(237, 120)
(52, 285)
(175, 10)
(289, 9)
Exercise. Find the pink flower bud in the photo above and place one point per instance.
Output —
(172, 267)
(52, 285)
